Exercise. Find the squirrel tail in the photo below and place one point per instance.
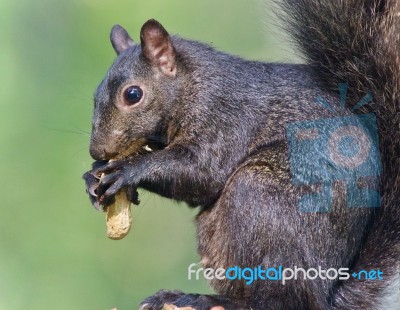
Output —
(358, 42)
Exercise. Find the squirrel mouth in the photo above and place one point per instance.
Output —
(141, 146)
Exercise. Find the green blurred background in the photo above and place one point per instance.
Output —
(53, 250)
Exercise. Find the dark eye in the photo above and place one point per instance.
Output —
(133, 95)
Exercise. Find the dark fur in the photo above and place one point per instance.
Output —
(220, 122)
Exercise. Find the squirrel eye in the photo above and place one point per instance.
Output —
(133, 95)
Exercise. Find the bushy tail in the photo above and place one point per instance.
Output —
(358, 41)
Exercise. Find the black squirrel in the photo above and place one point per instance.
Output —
(218, 124)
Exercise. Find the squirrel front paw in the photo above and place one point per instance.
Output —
(117, 175)
(102, 191)
(177, 300)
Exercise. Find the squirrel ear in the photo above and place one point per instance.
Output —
(157, 47)
(120, 39)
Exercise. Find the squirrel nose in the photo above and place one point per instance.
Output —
(101, 153)
(97, 153)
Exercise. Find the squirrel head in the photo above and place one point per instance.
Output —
(134, 99)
